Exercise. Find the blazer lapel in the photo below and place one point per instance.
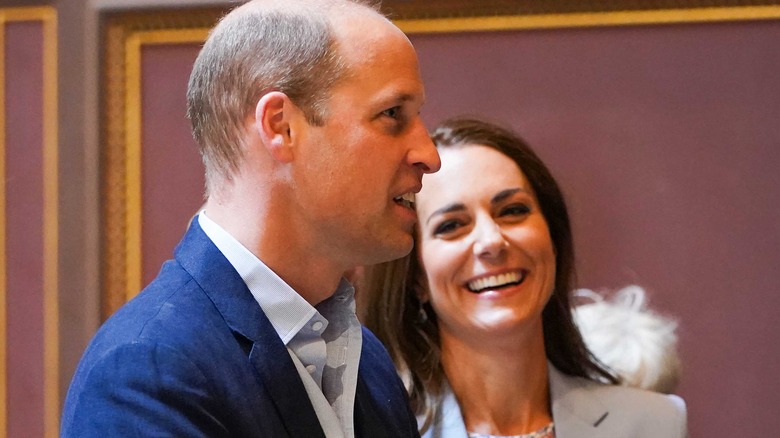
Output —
(449, 420)
(577, 413)
(275, 370)
(368, 422)
(280, 377)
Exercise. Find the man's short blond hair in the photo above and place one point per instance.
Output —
(263, 46)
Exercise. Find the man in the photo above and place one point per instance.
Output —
(307, 117)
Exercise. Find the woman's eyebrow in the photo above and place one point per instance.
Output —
(446, 209)
(503, 194)
(499, 197)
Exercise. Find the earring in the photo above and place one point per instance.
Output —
(422, 315)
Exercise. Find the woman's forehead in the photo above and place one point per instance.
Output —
(471, 170)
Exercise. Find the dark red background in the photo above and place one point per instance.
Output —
(24, 227)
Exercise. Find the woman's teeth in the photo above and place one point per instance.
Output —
(407, 200)
(496, 281)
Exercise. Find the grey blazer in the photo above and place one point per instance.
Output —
(585, 409)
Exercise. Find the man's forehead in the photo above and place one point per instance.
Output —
(359, 27)
(395, 82)
(373, 42)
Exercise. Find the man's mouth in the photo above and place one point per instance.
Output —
(495, 282)
(407, 200)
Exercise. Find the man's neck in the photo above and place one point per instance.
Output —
(272, 238)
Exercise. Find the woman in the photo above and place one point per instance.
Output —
(477, 318)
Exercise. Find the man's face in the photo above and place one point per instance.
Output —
(372, 149)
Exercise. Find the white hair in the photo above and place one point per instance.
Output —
(636, 343)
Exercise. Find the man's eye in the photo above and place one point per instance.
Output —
(393, 113)
(446, 227)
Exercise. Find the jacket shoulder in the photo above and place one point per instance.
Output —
(661, 406)
(637, 412)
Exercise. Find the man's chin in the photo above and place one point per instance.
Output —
(396, 248)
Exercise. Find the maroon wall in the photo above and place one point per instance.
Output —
(172, 174)
(665, 139)
(24, 232)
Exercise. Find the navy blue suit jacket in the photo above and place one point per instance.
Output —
(194, 355)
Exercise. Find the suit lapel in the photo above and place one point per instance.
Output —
(275, 370)
(367, 420)
(372, 420)
(449, 419)
(280, 377)
(381, 409)
(576, 411)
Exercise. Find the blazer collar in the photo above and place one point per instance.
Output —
(576, 409)
(198, 255)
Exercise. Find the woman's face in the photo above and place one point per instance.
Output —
(484, 244)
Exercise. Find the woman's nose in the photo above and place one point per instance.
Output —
(489, 241)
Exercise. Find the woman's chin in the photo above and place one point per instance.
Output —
(495, 326)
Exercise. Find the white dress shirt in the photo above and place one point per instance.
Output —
(324, 341)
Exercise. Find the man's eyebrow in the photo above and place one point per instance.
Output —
(446, 209)
(400, 98)
(503, 194)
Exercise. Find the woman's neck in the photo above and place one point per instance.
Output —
(502, 387)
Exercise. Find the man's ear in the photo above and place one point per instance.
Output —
(273, 117)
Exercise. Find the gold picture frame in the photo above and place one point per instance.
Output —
(47, 17)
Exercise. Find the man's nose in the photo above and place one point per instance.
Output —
(422, 152)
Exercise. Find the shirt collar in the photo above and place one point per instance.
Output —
(287, 311)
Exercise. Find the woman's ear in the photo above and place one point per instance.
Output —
(420, 282)
(420, 286)
(273, 117)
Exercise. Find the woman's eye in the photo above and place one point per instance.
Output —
(515, 210)
(446, 227)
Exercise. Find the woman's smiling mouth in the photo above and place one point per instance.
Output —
(498, 281)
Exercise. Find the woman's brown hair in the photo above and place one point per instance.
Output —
(409, 329)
